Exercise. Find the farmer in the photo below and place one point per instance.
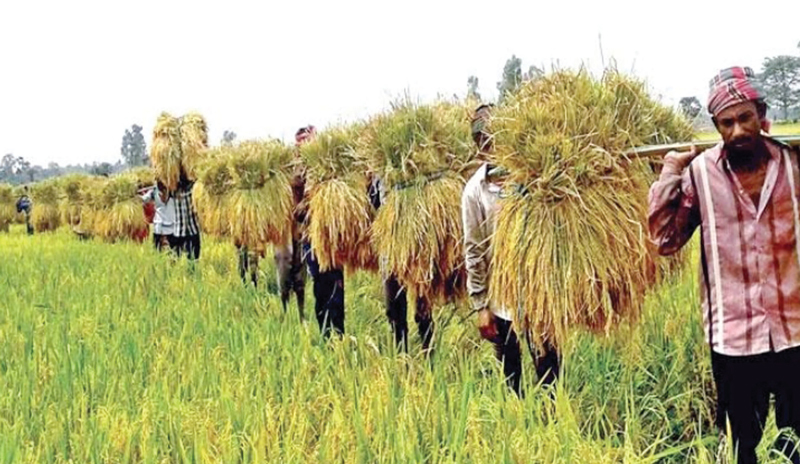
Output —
(479, 205)
(395, 295)
(328, 285)
(24, 204)
(743, 194)
(186, 233)
(289, 258)
(164, 218)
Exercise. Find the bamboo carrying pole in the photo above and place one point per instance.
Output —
(658, 151)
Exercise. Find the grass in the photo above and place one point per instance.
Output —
(777, 129)
(112, 353)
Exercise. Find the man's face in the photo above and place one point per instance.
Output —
(740, 127)
(303, 138)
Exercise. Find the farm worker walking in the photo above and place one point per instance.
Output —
(479, 205)
(186, 233)
(743, 194)
(328, 285)
(24, 204)
(164, 218)
(289, 257)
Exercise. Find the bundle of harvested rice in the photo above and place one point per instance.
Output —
(212, 192)
(120, 215)
(91, 205)
(165, 150)
(7, 207)
(194, 143)
(72, 202)
(571, 246)
(419, 153)
(261, 200)
(339, 209)
(45, 215)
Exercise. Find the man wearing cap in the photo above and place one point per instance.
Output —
(479, 205)
(743, 195)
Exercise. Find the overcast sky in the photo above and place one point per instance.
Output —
(75, 74)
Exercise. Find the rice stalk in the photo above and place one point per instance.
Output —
(339, 210)
(45, 215)
(570, 247)
(212, 192)
(261, 201)
(119, 214)
(420, 152)
(418, 232)
(194, 143)
(165, 150)
(7, 207)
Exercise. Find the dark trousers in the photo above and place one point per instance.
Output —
(189, 245)
(397, 311)
(248, 265)
(160, 240)
(290, 264)
(28, 225)
(507, 349)
(328, 295)
(744, 385)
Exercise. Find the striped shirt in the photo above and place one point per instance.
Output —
(749, 253)
(185, 215)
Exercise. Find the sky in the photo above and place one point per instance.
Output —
(75, 74)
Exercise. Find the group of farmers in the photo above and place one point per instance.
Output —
(743, 195)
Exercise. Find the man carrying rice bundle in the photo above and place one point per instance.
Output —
(25, 205)
(164, 217)
(328, 284)
(289, 257)
(743, 195)
(479, 204)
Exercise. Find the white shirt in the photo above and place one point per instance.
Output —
(164, 219)
(479, 205)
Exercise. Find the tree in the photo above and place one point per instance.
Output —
(780, 81)
(228, 137)
(533, 73)
(134, 148)
(512, 76)
(472, 88)
(102, 169)
(690, 106)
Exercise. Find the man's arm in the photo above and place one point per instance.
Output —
(674, 212)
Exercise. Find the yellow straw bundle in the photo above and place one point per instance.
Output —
(261, 201)
(571, 247)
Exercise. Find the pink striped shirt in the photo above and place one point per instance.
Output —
(749, 259)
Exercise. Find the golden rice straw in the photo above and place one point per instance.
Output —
(212, 192)
(194, 143)
(339, 209)
(45, 215)
(7, 207)
(121, 215)
(165, 151)
(261, 201)
(570, 247)
(420, 153)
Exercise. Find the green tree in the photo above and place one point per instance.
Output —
(690, 107)
(512, 76)
(780, 81)
(134, 148)
(472, 88)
